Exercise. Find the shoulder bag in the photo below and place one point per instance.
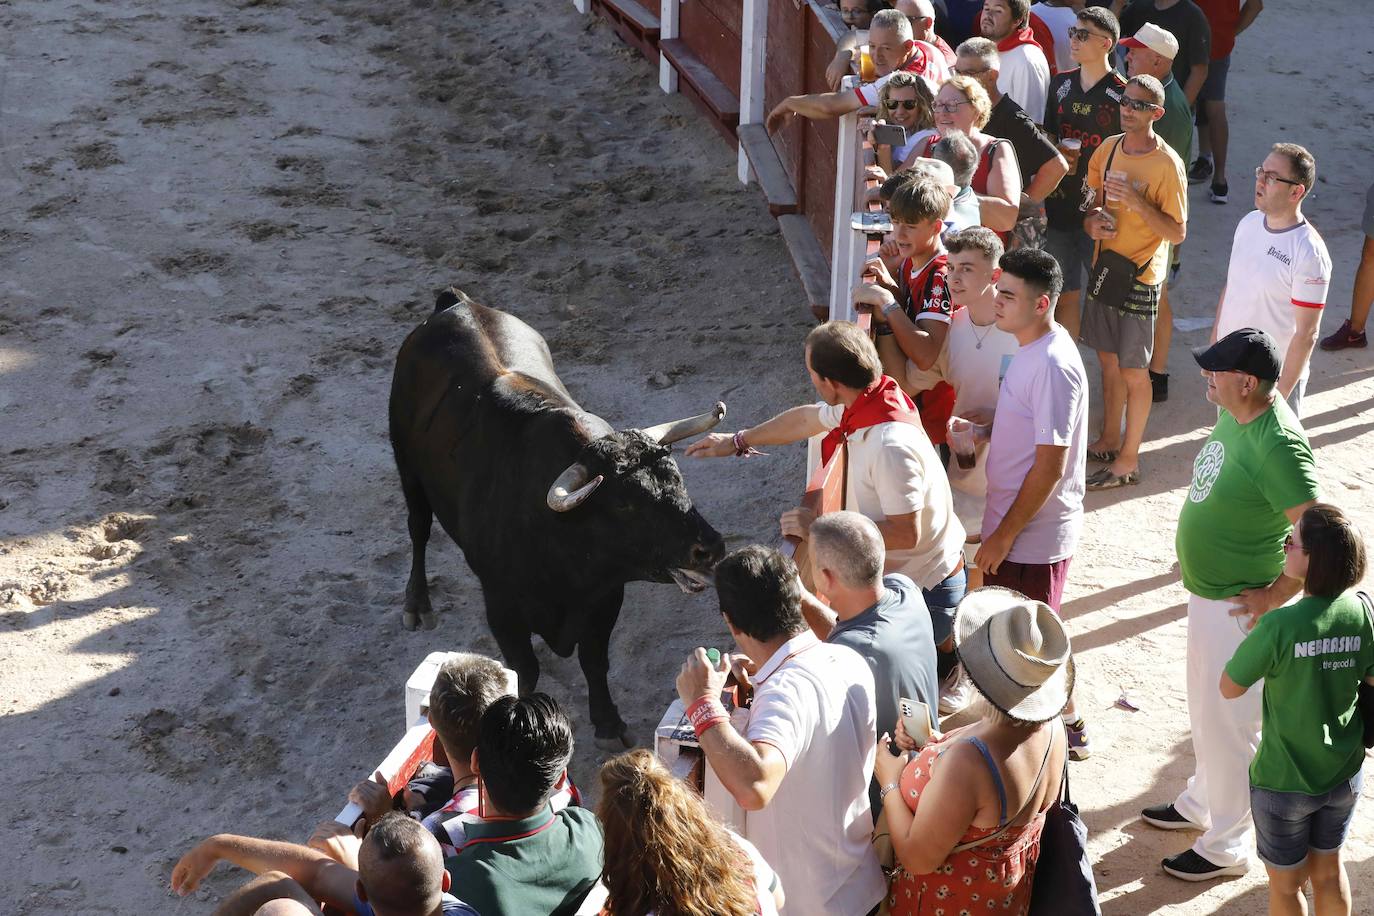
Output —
(1063, 884)
(1112, 274)
(1365, 701)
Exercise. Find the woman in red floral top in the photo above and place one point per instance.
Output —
(966, 811)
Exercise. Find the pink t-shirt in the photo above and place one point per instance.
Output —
(1043, 401)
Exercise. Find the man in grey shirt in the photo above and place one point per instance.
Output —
(883, 618)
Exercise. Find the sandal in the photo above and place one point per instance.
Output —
(1104, 479)
(1101, 457)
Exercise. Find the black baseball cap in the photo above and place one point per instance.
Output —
(1247, 350)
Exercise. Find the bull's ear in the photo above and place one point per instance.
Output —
(447, 298)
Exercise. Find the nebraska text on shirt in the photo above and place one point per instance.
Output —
(1328, 646)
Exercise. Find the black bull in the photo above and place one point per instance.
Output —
(553, 508)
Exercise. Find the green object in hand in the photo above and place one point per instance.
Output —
(713, 655)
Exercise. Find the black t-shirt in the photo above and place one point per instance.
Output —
(1185, 20)
(1033, 146)
(1091, 117)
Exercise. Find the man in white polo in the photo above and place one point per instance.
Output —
(801, 766)
(1280, 271)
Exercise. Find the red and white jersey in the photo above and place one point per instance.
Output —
(1272, 274)
(925, 60)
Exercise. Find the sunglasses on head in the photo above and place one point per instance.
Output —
(908, 104)
(1138, 104)
(1077, 34)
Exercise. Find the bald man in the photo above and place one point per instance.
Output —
(400, 873)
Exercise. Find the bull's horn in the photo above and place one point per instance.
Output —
(668, 433)
(571, 488)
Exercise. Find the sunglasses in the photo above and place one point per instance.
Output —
(1290, 544)
(1265, 177)
(1138, 104)
(977, 72)
(852, 14)
(1077, 34)
(907, 104)
(948, 107)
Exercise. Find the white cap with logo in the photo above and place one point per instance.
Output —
(1151, 36)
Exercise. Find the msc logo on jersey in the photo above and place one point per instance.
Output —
(1206, 470)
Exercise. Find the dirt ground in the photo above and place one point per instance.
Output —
(223, 216)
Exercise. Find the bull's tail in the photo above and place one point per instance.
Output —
(448, 298)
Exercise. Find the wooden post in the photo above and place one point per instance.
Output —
(667, 28)
(752, 60)
(847, 246)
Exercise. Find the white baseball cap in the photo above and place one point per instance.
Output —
(1151, 36)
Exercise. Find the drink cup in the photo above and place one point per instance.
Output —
(867, 71)
(961, 442)
(1071, 147)
(1115, 177)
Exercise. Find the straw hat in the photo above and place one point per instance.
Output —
(1016, 653)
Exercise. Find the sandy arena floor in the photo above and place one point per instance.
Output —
(223, 218)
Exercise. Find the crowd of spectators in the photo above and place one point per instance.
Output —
(907, 684)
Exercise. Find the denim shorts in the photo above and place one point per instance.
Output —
(1290, 824)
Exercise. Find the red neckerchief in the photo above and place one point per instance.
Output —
(1022, 36)
(882, 402)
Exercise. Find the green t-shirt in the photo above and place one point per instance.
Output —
(1312, 656)
(538, 866)
(1176, 126)
(1231, 530)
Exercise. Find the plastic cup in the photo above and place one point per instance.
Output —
(962, 443)
(1071, 147)
(1115, 175)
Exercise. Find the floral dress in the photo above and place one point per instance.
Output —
(995, 878)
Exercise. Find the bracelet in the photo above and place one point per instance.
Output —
(883, 792)
(742, 448)
(888, 309)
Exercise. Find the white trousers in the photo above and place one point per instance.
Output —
(1225, 735)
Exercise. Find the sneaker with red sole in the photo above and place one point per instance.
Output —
(1343, 338)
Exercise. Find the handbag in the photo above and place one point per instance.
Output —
(1365, 701)
(1063, 884)
(1112, 274)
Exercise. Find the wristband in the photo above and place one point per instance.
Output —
(705, 714)
(890, 307)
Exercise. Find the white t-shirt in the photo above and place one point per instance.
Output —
(1058, 19)
(1025, 76)
(974, 360)
(1272, 274)
(814, 702)
(926, 61)
(894, 470)
(1043, 401)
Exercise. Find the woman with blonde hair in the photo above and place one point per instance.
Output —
(905, 100)
(666, 855)
(962, 104)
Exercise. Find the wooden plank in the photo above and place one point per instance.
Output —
(712, 42)
(635, 25)
(810, 261)
(698, 83)
(763, 158)
(729, 12)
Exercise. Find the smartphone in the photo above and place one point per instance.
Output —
(873, 222)
(889, 135)
(916, 720)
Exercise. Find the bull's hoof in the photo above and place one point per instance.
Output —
(410, 621)
(615, 743)
(429, 620)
